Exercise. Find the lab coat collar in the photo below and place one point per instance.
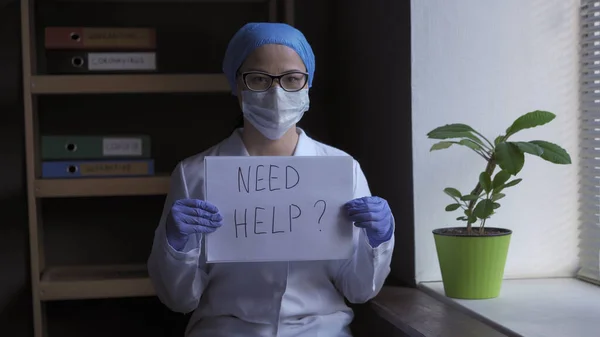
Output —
(234, 145)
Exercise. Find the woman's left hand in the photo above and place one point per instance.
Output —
(374, 215)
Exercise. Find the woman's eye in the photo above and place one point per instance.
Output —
(259, 79)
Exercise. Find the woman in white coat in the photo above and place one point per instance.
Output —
(270, 66)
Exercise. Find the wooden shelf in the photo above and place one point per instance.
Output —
(138, 83)
(93, 282)
(171, 1)
(79, 187)
(84, 281)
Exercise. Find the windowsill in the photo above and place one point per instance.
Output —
(402, 311)
(555, 307)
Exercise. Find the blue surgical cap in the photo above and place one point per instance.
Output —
(254, 35)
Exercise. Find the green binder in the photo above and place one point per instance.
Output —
(95, 147)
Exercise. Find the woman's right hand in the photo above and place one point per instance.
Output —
(191, 216)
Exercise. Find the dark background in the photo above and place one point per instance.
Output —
(360, 103)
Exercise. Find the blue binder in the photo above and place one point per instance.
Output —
(98, 168)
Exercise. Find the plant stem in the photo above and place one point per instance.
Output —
(482, 155)
(487, 140)
(491, 166)
(482, 151)
(485, 148)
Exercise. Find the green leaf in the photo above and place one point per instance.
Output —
(452, 207)
(449, 134)
(472, 219)
(474, 138)
(509, 157)
(500, 178)
(454, 131)
(486, 181)
(465, 142)
(509, 184)
(530, 148)
(530, 120)
(512, 182)
(453, 192)
(484, 209)
(462, 218)
(496, 205)
(447, 129)
(498, 196)
(498, 140)
(470, 143)
(441, 145)
(552, 152)
(469, 197)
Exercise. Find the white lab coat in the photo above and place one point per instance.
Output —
(282, 299)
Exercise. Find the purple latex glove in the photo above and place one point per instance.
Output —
(374, 215)
(191, 216)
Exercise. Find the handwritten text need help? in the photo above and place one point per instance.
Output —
(275, 207)
(267, 179)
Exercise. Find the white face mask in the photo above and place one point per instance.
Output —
(275, 111)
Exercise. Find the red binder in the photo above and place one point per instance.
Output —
(100, 38)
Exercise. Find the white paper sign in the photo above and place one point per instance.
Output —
(279, 208)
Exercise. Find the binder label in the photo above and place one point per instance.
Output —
(121, 61)
(109, 169)
(122, 146)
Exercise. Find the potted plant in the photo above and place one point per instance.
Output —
(472, 258)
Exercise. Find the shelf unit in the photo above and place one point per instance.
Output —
(90, 282)
(56, 188)
(60, 283)
(110, 84)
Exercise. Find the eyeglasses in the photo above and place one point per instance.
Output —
(259, 81)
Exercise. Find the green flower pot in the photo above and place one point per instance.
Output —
(472, 266)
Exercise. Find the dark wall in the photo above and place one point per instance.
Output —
(15, 310)
(360, 103)
(372, 91)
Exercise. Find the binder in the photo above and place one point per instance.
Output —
(114, 38)
(70, 62)
(97, 168)
(94, 147)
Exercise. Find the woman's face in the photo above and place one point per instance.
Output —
(273, 59)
